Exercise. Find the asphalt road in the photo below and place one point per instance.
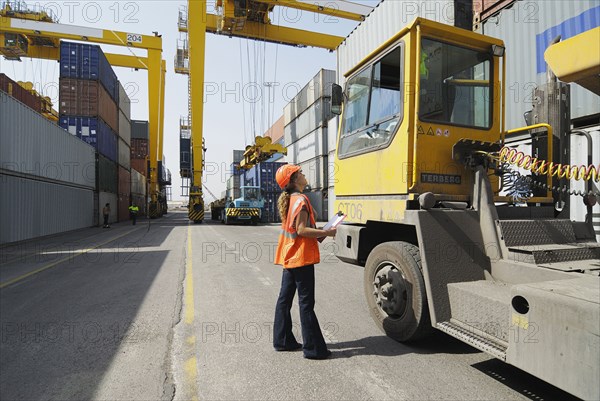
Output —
(173, 310)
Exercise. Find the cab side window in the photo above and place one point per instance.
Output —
(372, 110)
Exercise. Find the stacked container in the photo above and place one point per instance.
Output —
(233, 187)
(306, 136)
(139, 146)
(234, 168)
(15, 90)
(263, 175)
(45, 172)
(89, 109)
(276, 135)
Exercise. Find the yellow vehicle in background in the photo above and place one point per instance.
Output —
(419, 163)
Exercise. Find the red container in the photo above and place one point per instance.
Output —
(18, 92)
(139, 148)
(124, 194)
(80, 97)
(140, 165)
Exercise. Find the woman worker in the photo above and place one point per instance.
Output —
(297, 251)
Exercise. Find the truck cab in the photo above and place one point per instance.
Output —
(418, 174)
(247, 208)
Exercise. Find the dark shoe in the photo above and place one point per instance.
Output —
(319, 357)
(295, 347)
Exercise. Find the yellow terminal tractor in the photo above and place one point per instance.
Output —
(419, 168)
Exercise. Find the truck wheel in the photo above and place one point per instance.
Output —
(395, 291)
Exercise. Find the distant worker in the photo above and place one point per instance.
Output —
(106, 214)
(133, 212)
(297, 251)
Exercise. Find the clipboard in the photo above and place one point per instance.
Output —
(335, 221)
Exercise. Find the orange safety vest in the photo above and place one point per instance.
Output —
(292, 249)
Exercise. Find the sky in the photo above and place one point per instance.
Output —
(238, 105)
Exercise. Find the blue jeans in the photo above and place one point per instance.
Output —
(303, 280)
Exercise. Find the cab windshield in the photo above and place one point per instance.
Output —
(455, 85)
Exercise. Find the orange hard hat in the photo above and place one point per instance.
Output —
(284, 173)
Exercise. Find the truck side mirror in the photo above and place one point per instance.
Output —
(337, 98)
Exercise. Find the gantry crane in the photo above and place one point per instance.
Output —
(26, 33)
(245, 19)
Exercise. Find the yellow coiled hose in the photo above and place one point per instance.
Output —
(536, 166)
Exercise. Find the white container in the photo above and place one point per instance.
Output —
(34, 208)
(315, 171)
(34, 147)
(319, 86)
(386, 19)
(332, 133)
(314, 117)
(124, 128)
(138, 183)
(309, 147)
(523, 27)
(124, 154)
(124, 102)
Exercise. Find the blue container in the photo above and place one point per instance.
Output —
(270, 210)
(83, 61)
(263, 175)
(234, 169)
(93, 131)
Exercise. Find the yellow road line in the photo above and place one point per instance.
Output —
(191, 365)
(41, 269)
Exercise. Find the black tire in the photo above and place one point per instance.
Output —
(395, 268)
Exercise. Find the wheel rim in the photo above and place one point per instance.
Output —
(390, 290)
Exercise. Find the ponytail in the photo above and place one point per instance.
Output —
(283, 203)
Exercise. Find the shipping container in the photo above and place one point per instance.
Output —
(387, 19)
(124, 154)
(331, 201)
(314, 117)
(271, 210)
(15, 90)
(263, 175)
(276, 130)
(123, 200)
(527, 29)
(140, 165)
(124, 128)
(316, 171)
(318, 87)
(124, 102)
(332, 133)
(85, 61)
(112, 200)
(185, 161)
(33, 146)
(233, 182)
(80, 97)
(138, 183)
(33, 208)
(140, 129)
(107, 175)
(235, 169)
(238, 156)
(139, 148)
(93, 131)
(307, 148)
(318, 201)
